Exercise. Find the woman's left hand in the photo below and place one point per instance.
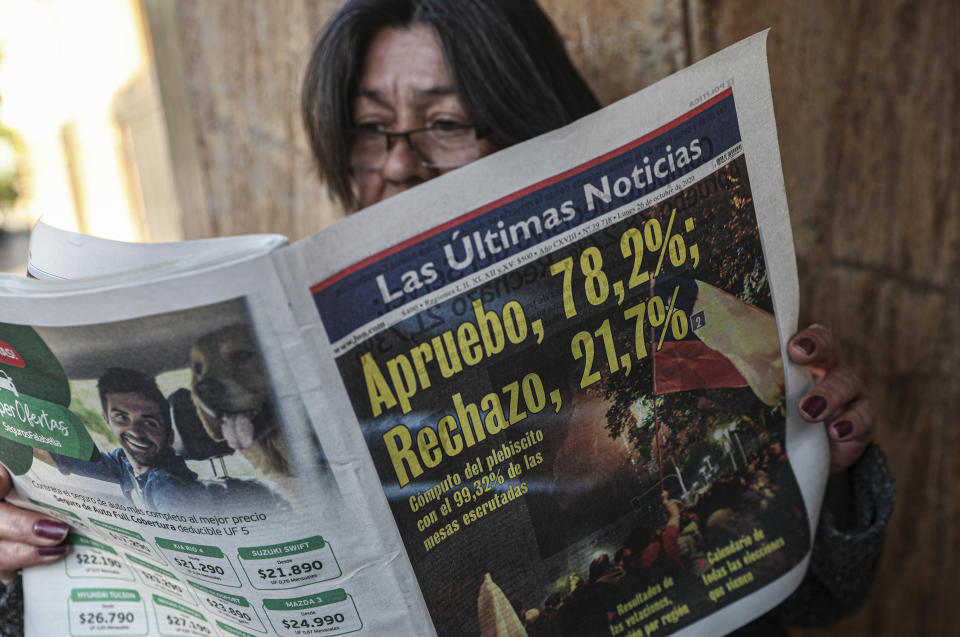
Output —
(839, 398)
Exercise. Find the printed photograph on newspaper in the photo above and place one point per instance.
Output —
(161, 441)
(574, 396)
(175, 410)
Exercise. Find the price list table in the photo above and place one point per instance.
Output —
(330, 613)
(233, 607)
(128, 539)
(159, 578)
(106, 611)
(290, 564)
(200, 561)
(173, 618)
(90, 558)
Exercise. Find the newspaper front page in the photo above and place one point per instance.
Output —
(542, 395)
(566, 364)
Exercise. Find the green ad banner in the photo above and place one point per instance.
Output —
(233, 599)
(310, 601)
(51, 507)
(279, 550)
(188, 548)
(34, 401)
(169, 603)
(230, 630)
(150, 566)
(104, 595)
(35, 422)
(83, 540)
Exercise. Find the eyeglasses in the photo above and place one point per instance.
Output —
(441, 146)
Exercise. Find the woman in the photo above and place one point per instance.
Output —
(26, 538)
(400, 91)
(390, 80)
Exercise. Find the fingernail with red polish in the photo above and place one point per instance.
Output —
(51, 529)
(806, 344)
(843, 428)
(48, 551)
(813, 406)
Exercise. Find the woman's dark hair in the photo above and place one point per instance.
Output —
(507, 60)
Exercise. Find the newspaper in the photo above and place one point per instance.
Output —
(546, 394)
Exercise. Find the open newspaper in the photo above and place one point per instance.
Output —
(545, 394)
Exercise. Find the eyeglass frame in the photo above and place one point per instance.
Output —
(478, 134)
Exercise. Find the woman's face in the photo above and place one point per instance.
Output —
(404, 85)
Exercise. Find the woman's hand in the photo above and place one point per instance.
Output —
(839, 398)
(26, 538)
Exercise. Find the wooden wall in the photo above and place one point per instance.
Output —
(866, 93)
(230, 73)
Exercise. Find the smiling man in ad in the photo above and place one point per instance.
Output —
(150, 473)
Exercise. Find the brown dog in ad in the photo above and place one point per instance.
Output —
(231, 391)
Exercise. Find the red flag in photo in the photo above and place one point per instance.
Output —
(728, 343)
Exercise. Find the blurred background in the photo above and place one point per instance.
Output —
(169, 119)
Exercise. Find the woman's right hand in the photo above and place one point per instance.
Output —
(26, 537)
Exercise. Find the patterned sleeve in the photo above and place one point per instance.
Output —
(844, 561)
(11, 609)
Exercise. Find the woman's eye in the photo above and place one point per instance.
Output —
(449, 125)
(448, 131)
(371, 127)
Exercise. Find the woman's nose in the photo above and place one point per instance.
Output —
(402, 163)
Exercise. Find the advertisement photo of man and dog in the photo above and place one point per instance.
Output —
(182, 412)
